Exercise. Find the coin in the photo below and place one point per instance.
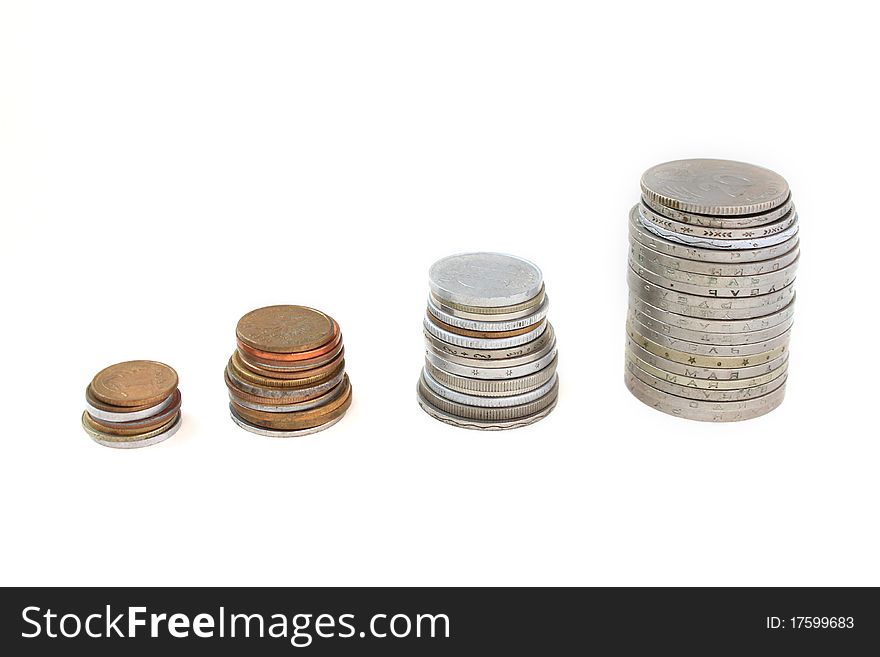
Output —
(714, 187)
(134, 383)
(485, 280)
(490, 352)
(285, 329)
(299, 420)
(145, 440)
(728, 221)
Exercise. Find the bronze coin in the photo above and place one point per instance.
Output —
(135, 383)
(132, 433)
(484, 334)
(269, 379)
(285, 329)
(302, 419)
(140, 426)
(293, 358)
(291, 366)
(110, 408)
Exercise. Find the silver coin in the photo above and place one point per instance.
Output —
(705, 384)
(289, 395)
(483, 425)
(709, 349)
(708, 373)
(721, 326)
(704, 411)
(157, 419)
(491, 357)
(489, 314)
(710, 221)
(110, 416)
(482, 343)
(106, 441)
(494, 417)
(491, 371)
(765, 230)
(720, 287)
(485, 279)
(274, 433)
(646, 256)
(290, 408)
(483, 325)
(704, 394)
(649, 239)
(779, 276)
(721, 244)
(752, 306)
(743, 338)
(492, 387)
(486, 402)
(714, 187)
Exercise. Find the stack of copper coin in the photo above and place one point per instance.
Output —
(287, 378)
(132, 404)
(490, 353)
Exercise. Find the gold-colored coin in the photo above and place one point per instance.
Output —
(134, 384)
(292, 380)
(286, 329)
(309, 419)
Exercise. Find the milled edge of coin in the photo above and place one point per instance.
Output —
(493, 387)
(487, 414)
(641, 254)
(706, 373)
(674, 409)
(506, 401)
(244, 373)
(744, 233)
(108, 416)
(479, 343)
(151, 438)
(487, 425)
(276, 433)
(754, 207)
(490, 326)
(527, 310)
(721, 256)
(722, 221)
(719, 244)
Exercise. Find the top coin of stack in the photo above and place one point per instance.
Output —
(132, 404)
(713, 257)
(287, 377)
(490, 357)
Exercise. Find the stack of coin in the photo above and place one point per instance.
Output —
(490, 357)
(287, 378)
(132, 404)
(713, 258)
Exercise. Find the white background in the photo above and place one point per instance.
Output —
(167, 166)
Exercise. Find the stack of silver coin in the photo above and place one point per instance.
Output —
(490, 353)
(713, 258)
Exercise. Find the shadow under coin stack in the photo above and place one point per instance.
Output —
(287, 378)
(713, 257)
(132, 404)
(490, 358)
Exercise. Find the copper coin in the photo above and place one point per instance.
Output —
(269, 379)
(111, 408)
(273, 365)
(285, 329)
(300, 420)
(136, 383)
(489, 335)
(139, 426)
(130, 433)
(302, 355)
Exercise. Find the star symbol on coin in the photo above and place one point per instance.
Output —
(692, 360)
(745, 361)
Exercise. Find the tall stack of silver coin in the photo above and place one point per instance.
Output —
(713, 258)
(490, 353)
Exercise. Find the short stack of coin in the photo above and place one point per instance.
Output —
(287, 378)
(132, 404)
(490, 357)
(713, 258)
